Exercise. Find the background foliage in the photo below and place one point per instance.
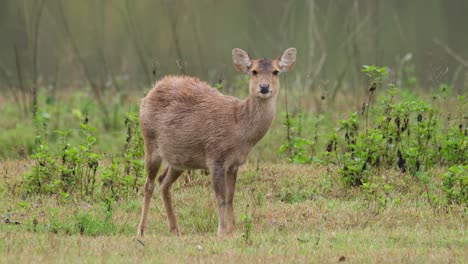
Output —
(366, 160)
(119, 44)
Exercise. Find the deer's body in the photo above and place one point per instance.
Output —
(190, 125)
(193, 125)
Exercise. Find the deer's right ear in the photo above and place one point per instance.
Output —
(241, 60)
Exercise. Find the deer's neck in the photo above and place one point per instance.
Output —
(255, 116)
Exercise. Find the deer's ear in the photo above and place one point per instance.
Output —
(241, 60)
(287, 60)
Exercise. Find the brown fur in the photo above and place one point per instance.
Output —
(190, 125)
(193, 125)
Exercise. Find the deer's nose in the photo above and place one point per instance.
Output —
(264, 88)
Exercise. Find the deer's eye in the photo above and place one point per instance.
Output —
(254, 73)
(275, 73)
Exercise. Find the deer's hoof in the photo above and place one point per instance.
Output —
(222, 232)
(141, 231)
(175, 231)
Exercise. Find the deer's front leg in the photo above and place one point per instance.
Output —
(231, 177)
(219, 184)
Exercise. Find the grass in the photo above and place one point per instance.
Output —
(369, 191)
(300, 213)
(67, 110)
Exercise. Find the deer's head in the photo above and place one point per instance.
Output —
(264, 73)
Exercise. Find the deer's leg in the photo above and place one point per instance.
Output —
(231, 176)
(218, 173)
(165, 185)
(152, 162)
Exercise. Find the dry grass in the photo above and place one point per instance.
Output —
(323, 222)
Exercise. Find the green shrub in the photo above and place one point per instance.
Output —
(455, 184)
(403, 132)
(77, 168)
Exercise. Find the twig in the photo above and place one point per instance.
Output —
(87, 72)
(313, 76)
(132, 30)
(99, 31)
(36, 32)
(20, 79)
(175, 38)
(288, 124)
(283, 21)
(452, 53)
(339, 81)
(198, 40)
(10, 86)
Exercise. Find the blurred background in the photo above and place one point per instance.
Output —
(133, 43)
(107, 53)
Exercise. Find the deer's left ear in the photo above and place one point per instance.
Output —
(287, 60)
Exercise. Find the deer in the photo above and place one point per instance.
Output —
(187, 124)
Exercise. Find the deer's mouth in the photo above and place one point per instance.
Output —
(265, 93)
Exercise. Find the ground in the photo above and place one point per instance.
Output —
(285, 213)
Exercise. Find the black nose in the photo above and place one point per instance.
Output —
(264, 88)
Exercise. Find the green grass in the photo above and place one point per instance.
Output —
(351, 201)
(300, 213)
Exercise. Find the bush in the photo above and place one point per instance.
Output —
(397, 132)
(455, 184)
(77, 169)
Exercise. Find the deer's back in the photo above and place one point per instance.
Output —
(188, 121)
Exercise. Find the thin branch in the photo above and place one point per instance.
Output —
(175, 38)
(132, 30)
(99, 31)
(19, 73)
(283, 22)
(354, 33)
(36, 32)
(198, 40)
(452, 53)
(10, 86)
(313, 76)
(95, 89)
(288, 123)
(338, 83)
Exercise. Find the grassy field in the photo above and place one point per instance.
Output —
(377, 178)
(285, 213)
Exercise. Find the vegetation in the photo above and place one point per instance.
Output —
(305, 212)
(375, 182)
(362, 164)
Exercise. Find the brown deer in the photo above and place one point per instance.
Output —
(190, 125)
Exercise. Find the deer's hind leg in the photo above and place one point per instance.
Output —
(152, 163)
(166, 180)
